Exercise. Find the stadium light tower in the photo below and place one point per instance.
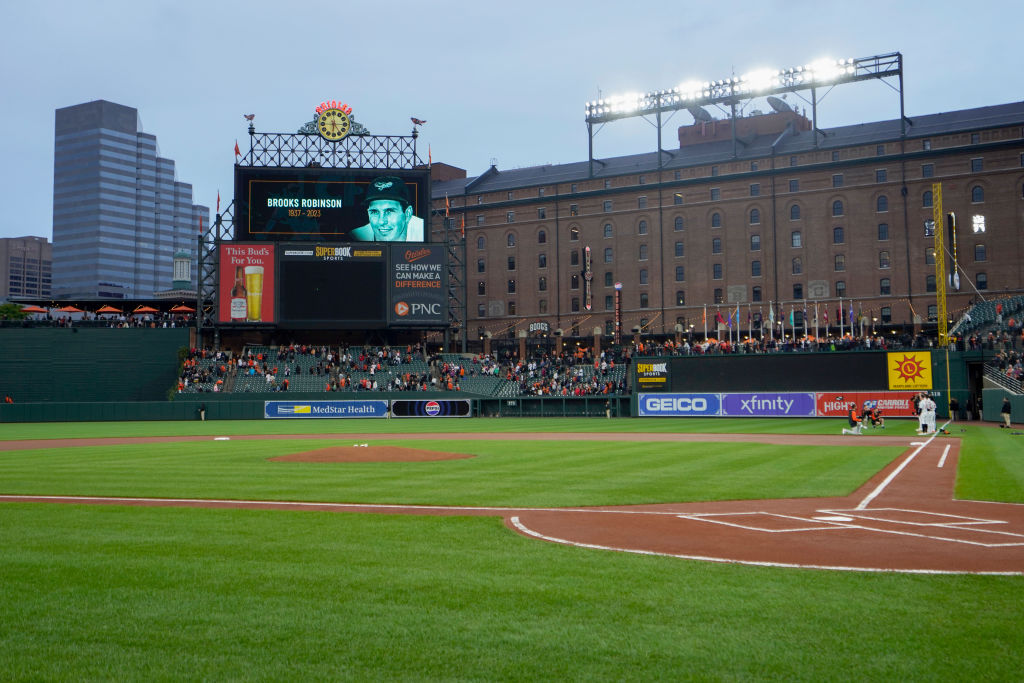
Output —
(730, 91)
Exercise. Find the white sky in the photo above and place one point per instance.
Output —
(502, 80)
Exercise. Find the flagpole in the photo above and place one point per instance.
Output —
(705, 323)
(840, 317)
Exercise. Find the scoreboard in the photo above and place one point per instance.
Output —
(344, 248)
(353, 285)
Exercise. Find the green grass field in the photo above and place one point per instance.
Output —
(91, 592)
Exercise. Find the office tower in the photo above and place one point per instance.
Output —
(25, 267)
(119, 213)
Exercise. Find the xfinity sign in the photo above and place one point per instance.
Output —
(678, 405)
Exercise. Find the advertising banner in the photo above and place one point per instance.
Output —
(768, 405)
(890, 403)
(322, 409)
(652, 375)
(438, 408)
(678, 405)
(909, 370)
(419, 295)
(246, 291)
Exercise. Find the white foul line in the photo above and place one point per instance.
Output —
(942, 460)
(517, 523)
(892, 475)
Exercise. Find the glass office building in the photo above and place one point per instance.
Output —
(119, 213)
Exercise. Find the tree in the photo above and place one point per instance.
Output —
(12, 312)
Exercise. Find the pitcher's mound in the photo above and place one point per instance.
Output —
(356, 453)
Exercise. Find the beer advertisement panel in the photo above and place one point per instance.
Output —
(246, 292)
(418, 286)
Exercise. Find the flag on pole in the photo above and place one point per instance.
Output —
(238, 152)
(791, 319)
(447, 206)
(218, 201)
(200, 225)
(430, 157)
(718, 318)
(771, 314)
(851, 316)
(463, 225)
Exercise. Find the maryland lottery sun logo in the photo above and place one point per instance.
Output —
(911, 370)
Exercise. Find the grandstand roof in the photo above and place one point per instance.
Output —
(692, 155)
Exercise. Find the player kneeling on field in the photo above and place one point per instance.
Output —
(855, 421)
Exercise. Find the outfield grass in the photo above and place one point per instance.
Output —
(128, 593)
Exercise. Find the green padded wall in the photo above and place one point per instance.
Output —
(59, 364)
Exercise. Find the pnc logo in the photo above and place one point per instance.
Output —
(401, 309)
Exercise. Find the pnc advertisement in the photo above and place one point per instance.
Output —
(418, 285)
(246, 291)
(909, 370)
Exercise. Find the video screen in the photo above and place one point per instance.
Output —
(342, 286)
(314, 204)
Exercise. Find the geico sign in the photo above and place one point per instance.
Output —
(676, 405)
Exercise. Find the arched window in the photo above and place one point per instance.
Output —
(798, 266)
(679, 250)
(680, 274)
(926, 199)
(481, 288)
(796, 239)
(643, 276)
(794, 212)
(607, 229)
(608, 278)
(542, 260)
(755, 243)
(542, 284)
(678, 224)
(574, 281)
(755, 216)
(755, 269)
(643, 299)
(882, 204)
(607, 254)
(929, 283)
(885, 286)
(641, 228)
(755, 295)
(716, 220)
(643, 252)
(574, 233)
(542, 237)
(481, 266)
(511, 239)
(716, 245)
(680, 297)
(883, 259)
(977, 194)
(481, 243)
(838, 236)
(837, 207)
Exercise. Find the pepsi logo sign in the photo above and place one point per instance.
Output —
(432, 408)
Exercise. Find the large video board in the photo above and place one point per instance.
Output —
(320, 204)
(332, 285)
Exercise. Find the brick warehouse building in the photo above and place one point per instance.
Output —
(791, 217)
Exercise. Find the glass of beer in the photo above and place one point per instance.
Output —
(254, 292)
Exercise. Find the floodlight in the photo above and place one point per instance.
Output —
(761, 79)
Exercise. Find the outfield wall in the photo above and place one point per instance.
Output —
(72, 364)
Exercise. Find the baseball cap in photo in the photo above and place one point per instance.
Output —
(387, 187)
